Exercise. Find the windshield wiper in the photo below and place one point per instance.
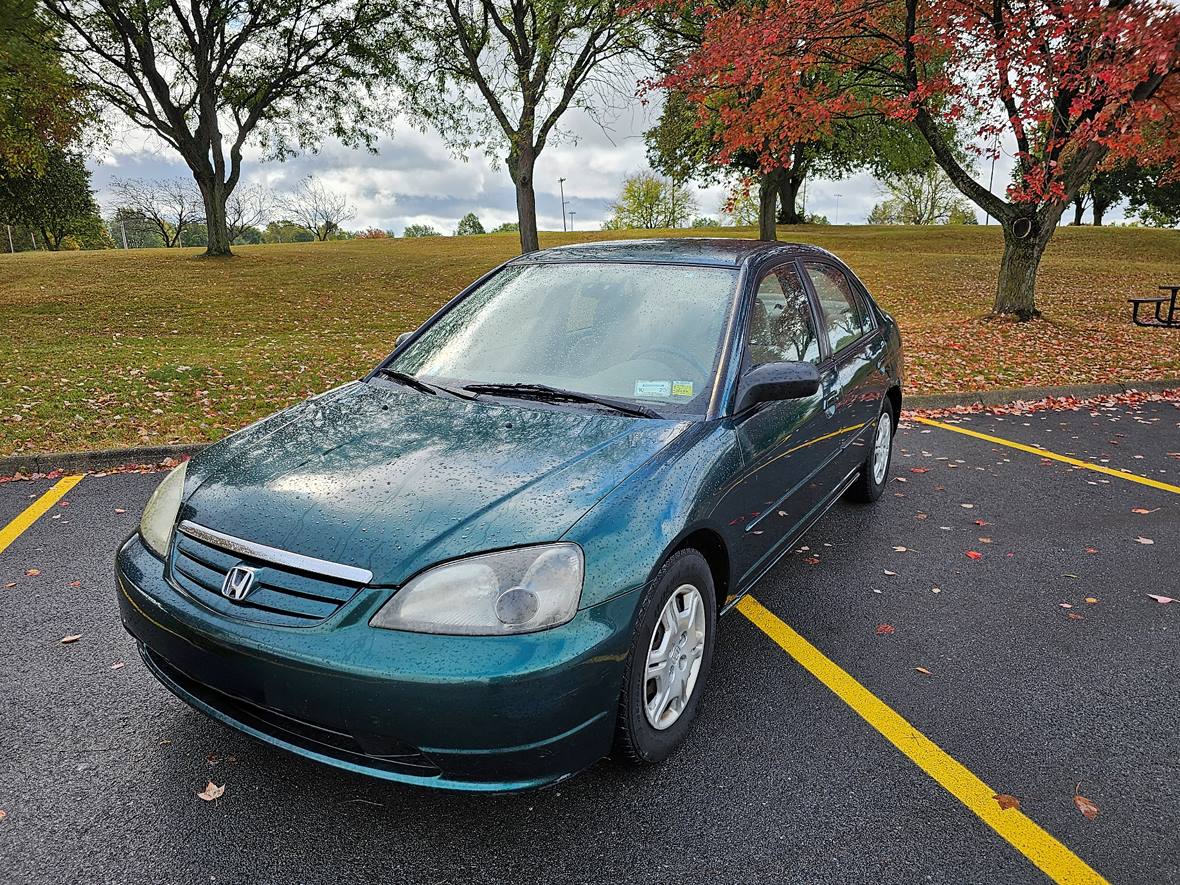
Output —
(545, 393)
(417, 383)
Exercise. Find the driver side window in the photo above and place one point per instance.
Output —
(781, 325)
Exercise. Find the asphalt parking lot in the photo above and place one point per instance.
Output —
(1046, 671)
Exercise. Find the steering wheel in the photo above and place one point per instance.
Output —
(687, 358)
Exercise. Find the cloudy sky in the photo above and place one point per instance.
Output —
(414, 179)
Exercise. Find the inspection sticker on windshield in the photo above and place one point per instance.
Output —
(653, 388)
(682, 388)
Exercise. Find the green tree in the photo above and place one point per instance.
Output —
(649, 201)
(741, 207)
(55, 203)
(286, 231)
(705, 221)
(500, 74)
(131, 228)
(209, 76)
(41, 106)
(469, 224)
(508, 227)
(420, 230)
(923, 197)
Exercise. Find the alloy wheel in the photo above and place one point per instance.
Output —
(674, 657)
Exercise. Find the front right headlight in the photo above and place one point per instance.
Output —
(492, 594)
(160, 514)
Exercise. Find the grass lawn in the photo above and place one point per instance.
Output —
(154, 346)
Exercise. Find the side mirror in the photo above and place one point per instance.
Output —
(401, 339)
(777, 381)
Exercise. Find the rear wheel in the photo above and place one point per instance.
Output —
(669, 660)
(875, 470)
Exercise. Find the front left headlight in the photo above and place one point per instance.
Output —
(493, 594)
(160, 514)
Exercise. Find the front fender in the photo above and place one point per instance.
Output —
(625, 535)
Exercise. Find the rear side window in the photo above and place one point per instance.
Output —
(844, 316)
(781, 326)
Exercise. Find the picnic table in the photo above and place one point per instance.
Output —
(1158, 301)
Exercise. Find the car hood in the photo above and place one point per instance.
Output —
(393, 480)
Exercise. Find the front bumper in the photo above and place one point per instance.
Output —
(459, 712)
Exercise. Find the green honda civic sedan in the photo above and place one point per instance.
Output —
(501, 555)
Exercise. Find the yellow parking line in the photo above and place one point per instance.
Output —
(1054, 859)
(33, 512)
(1053, 456)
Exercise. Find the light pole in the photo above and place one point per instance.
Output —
(561, 187)
(987, 216)
(572, 214)
(837, 221)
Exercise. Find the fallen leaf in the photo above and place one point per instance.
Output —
(211, 792)
(120, 510)
(1086, 807)
(919, 469)
(967, 506)
(73, 637)
(1074, 616)
(974, 554)
(935, 589)
(1143, 510)
(1143, 540)
(1065, 605)
(923, 671)
(985, 540)
(884, 629)
(1162, 600)
(32, 573)
(10, 585)
(1091, 600)
(900, 549)
(118, 666)
(891, 574)
(812, 560)
(1007, 801)
(3, 814)
(982, 522)
(75, 583)
(1091, 549)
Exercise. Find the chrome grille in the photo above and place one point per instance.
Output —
(284, 595)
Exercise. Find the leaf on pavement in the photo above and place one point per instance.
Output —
(75, 583)
(120, 510)
(1007, 801)
(974, 554)
(73, 637)
(211, 792)
(118, 665)
(32, 572)
(3, 814)
(1090, 600)
(890, 574)
(923, 671)
(1086, 806)
(919, 469)
(1162, 600)
(1143, 540)
(1143, 510)
(10, 585)
(900, 549)
(884, 629)
(1091, 549)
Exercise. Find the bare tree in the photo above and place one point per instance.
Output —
(320, 210)
(208, 75)
(499, 74)
(247, 207)
(170, 205)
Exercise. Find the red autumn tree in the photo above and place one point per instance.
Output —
(1070, 82)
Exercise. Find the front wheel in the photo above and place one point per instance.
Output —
(669, 660)
(873, 473)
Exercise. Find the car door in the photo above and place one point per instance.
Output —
(852, 382)
(785, 444)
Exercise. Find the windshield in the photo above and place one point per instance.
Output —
(649, 333)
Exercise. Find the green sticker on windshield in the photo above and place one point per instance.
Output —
(682, 388)
(653, 388)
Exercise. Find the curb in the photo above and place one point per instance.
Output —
(1032, 394)
(150, 456)
(97, 461)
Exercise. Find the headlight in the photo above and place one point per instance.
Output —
(494, 594)
(160, 514)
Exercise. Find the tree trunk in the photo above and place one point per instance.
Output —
(520, 167)
(788, 196)
(1079, 206)
(1099, 211)
(768, 190)
(214, 195)
(1016, 286)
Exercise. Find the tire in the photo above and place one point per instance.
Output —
(871, 482)
(638, 740)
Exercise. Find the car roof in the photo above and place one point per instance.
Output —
(715, 251)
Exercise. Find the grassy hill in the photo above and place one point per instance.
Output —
(152, 346)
